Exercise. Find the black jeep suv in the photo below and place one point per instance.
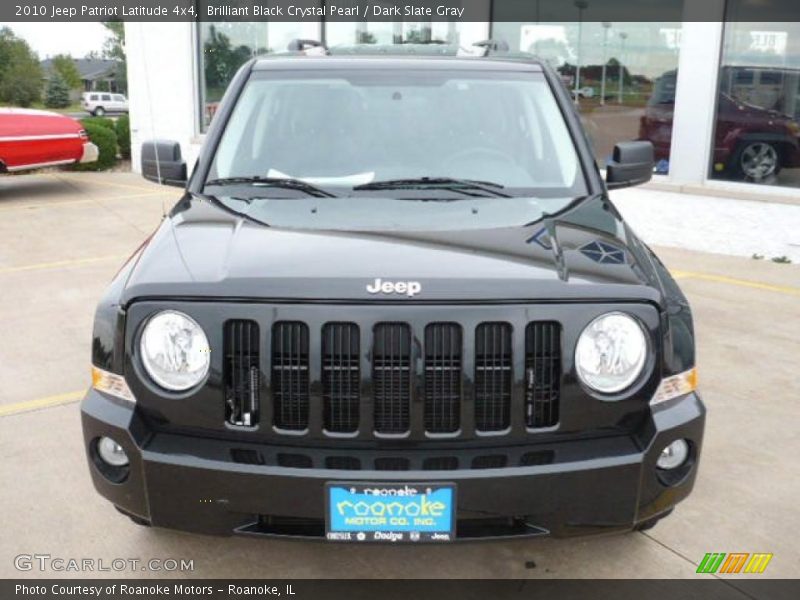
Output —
(394, 304)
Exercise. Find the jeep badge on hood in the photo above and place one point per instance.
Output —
(409, 288)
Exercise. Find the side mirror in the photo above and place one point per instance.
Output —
(162, 163)
(632, 164)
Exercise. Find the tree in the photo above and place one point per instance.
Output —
(20, 73)
(222, 59)
(65, 67)
(365, 37)
(114, 49)
(57, 93)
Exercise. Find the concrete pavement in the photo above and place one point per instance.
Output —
(65, 235)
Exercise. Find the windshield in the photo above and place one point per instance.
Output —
(345, 129)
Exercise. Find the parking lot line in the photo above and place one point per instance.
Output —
(103, 183)
(781, 289)
(46, 402)
(61, 263)
(81, 201)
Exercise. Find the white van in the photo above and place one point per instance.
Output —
(100, 103)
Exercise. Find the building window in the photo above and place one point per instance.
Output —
(387, 33)
(622, 75)
(757, 135)
(224, 47)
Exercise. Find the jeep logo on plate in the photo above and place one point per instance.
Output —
(409, 288)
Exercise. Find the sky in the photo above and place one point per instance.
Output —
(49, 39)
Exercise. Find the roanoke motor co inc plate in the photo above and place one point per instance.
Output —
(390, 512)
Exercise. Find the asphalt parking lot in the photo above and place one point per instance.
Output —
(64, 235)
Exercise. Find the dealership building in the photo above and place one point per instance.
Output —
(720, 99)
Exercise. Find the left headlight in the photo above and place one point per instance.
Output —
(175, 351)
(611, 353)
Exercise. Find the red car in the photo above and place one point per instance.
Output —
(32, 139)
(750, 142)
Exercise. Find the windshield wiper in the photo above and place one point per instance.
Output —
(421, 183)
(275, 182)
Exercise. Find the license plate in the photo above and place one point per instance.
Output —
(390, 512)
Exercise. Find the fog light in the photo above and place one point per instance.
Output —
(111, 452)
(674, 455)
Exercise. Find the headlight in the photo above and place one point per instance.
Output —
(175, 350)
(611, 352)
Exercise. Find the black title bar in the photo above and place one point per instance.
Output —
(535, 11)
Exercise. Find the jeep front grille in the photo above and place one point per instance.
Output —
(542, 373)
(341, 378)
(391, 377)
(442, 377)
(242, 374)
(439, 379)
(493, 359)
(290, 381)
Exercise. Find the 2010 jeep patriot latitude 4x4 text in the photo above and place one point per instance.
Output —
(394, 304)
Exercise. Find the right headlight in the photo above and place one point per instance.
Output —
(175, 351)
(611, 353)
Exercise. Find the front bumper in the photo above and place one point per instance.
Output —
(90, 153)
(568, 488)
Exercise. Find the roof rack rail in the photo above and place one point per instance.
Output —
(493, 45)
(301, 45)
(484, 48)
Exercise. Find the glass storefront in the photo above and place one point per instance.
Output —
(757, 135)
(622, 75)
(227, 46)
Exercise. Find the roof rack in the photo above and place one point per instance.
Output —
(484, 48)
(301, 45)
(493, 45)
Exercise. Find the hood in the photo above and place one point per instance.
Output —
(586, 252)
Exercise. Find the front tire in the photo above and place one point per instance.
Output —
(756, 161)
(99, 111)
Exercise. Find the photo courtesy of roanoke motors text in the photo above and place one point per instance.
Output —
(395, 298)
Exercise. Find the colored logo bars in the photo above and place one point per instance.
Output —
(736, 562)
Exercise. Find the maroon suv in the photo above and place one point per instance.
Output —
(750, 142)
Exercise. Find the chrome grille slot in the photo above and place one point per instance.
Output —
(493, 377)
(542, 373)
(290, 377)
(241, 372)
(341, 378)
(443, 350)
(391, 377)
